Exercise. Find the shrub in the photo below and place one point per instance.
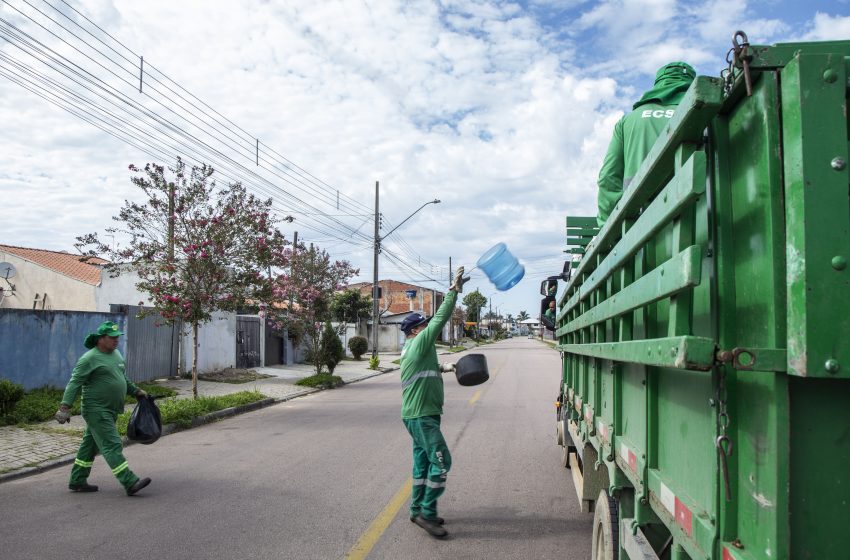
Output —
(358, 346)
(10, 393)
(39, 405)
(374, 361)
(321, 381)
(331, 348)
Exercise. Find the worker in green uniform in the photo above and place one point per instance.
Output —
(100, 375)
(422, 406)
(635, 133)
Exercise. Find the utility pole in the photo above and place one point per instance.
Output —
(452, 318)
(377, 251)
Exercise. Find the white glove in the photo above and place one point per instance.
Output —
(63, 415)
(447, 367)
(459, 281)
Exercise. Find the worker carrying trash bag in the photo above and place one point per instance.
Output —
(99, 373)
(635, 134)
(422, 406)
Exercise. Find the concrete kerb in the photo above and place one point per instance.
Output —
(168, 429)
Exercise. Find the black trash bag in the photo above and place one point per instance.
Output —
(145, 422)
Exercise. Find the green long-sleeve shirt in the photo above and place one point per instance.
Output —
(102, 380)
(421, 380)
(633, 138)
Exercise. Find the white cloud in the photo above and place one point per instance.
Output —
(825, 27)
(472, 101)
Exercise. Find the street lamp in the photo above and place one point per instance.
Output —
(378, 240)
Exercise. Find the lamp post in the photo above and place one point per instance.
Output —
(378, 239)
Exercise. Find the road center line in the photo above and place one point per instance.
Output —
(475, 396)
(370, 537)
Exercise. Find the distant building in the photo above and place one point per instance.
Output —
(401, 297)
(49, 280)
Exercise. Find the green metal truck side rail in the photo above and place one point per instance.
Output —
(706, 329)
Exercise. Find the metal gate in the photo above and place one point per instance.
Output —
(247, 342)
(152, 350)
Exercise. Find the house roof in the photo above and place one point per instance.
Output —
(63, 263)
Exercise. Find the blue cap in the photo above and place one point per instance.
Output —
(413, 320)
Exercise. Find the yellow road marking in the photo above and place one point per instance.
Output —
(475, 396)
(368, 539)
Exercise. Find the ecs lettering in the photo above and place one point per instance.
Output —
(657, 114)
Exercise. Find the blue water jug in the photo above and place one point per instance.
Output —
(501, 267)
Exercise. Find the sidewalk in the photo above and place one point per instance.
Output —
(43, 446)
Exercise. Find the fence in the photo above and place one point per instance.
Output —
(40, 348)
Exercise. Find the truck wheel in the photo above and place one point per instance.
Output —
(606, 528)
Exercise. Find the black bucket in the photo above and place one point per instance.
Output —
(472, 370)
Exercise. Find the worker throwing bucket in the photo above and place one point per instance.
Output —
(501, 267)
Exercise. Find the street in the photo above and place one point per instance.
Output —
(327, 476)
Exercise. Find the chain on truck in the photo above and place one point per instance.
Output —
(704, 403)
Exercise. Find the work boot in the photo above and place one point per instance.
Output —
(139, 484)
(431, 526)
(437, 520)
(84, 487)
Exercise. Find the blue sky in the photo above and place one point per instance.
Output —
(502, 110)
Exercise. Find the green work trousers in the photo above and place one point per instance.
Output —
(101, 435)
(431, 463)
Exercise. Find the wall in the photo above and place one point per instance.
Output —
(216, 344)
(40, 348)
(62, 291)
(390, 338)
(120, 290)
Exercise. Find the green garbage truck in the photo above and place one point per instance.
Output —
(704, 402)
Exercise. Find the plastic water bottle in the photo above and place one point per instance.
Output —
(501, 267)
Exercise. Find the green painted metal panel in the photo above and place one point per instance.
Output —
(684, 188)
(680, 352)
(817, 207)
(677, 274)
(581, 221)
(820, 453)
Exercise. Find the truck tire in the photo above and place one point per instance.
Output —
(606, 528)
(565, 456)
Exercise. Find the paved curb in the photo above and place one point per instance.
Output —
(196, 422)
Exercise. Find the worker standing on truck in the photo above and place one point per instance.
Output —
(99, 373)
(422, 406)
(636, 132)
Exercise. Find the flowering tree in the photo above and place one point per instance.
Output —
(197, 247)
(302, 299)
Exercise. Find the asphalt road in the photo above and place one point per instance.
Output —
(324, 477)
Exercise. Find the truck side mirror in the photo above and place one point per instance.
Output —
(549, 287)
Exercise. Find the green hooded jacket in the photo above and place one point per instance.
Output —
(421, 380)
(635, 134)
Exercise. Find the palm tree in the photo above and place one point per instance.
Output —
(523, 316)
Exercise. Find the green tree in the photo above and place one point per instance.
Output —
(349, 306)
(522, 316)
(331, 348)
(474, 301)
(303, 298)
(197, 247)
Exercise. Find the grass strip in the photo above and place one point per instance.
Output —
(181, 412)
